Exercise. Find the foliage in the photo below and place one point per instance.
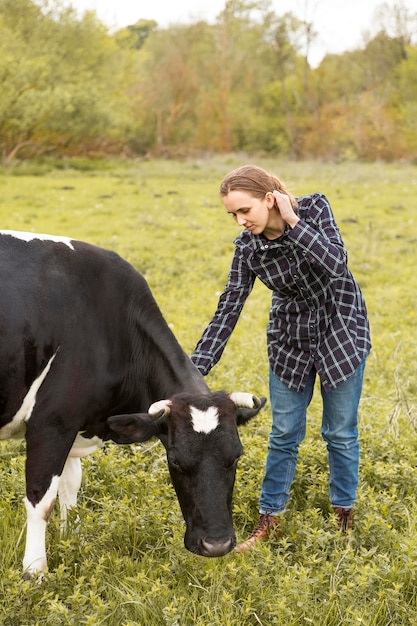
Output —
(60, 80)
(68, 85)
(123, 562)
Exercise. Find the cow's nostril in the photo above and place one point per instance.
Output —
(216, 547)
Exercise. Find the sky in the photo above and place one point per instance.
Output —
(340, 24)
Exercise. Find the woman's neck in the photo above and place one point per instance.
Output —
(275, 227)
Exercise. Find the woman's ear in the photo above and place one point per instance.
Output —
(270, 200)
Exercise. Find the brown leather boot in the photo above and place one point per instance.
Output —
(267, 525)
(344, 519)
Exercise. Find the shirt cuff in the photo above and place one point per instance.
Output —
(203, 364)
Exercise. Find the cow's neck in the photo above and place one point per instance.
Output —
(178, 374)
(166, 367)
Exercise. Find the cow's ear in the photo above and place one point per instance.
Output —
(135, 427)
(243, 414)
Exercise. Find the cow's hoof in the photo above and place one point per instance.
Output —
(36, 577)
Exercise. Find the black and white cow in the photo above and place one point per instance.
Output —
(86, 356)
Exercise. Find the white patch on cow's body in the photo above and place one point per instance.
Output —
(83, 447)
(37, 517)
(204, 421)
(69, 486)
(70, 480)
(242, 399)
(16, 428)
(42, 237)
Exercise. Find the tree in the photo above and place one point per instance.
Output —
(68, 85)
(397, 22)
(166, 87)
(135, 35)
(58, 79)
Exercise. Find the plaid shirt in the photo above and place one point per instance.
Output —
(318, 315)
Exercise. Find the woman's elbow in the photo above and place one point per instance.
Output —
(336, 264)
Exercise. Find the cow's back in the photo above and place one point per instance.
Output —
(70, 301)
(46, 282)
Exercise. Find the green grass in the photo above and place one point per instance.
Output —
(124, 562)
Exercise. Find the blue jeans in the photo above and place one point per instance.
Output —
(339, 430)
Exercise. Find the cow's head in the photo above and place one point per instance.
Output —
(203, 447)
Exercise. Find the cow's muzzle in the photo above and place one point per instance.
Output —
(215, 547)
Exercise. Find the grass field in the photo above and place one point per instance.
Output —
(125, 564)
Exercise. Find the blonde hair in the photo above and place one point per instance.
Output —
(255, 181)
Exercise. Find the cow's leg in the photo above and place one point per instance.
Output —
(47, 451)
(34, 560)
(69, 485)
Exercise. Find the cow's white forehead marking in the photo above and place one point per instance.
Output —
(204, 421)
(30, 236)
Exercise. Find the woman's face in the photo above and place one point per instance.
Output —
(251, 213)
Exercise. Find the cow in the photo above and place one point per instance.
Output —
(86, 356)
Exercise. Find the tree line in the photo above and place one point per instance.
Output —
(70, 86)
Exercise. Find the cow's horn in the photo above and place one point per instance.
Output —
(160, 408)
(245, 400)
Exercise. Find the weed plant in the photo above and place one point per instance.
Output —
(122, 561)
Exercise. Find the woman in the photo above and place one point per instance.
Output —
(318, 324)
